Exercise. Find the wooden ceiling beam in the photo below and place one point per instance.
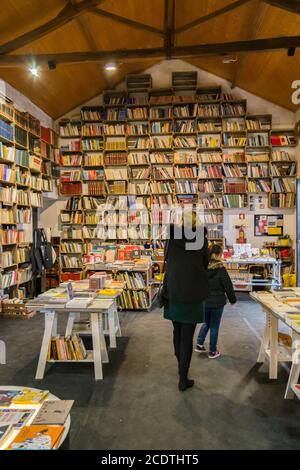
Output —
(210, 16)
(202, 50)
(169, 23)
(127, 21)
(89, 38)
(293, 6)
(259, 12)
(68, 13)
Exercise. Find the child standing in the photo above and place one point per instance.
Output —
(220, 286)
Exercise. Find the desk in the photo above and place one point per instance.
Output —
(276, 311)
(31, 407)
(95, 310)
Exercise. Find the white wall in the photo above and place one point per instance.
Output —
(22, 103)
(281, 117)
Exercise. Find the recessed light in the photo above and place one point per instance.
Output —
(34, 70)
(110, 67)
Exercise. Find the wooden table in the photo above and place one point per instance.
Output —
(12, 436)
(269, 344)
(98, 354)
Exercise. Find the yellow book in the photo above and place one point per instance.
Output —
(108, 292)
(28, 397)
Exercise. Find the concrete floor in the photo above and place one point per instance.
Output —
(137, 406)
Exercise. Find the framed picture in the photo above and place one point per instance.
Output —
(268, 225)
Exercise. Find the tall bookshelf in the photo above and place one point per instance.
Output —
(178, 145)
(27, 157)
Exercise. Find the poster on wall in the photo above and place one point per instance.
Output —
(268, 225)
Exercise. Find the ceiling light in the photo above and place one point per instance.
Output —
(228, 60)
(34, 70)
(110, 67)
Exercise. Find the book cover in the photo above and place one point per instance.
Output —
(53, 412)
(15, 417)
(6, 396)
(37, 438)
(4, 431)
(29, 397)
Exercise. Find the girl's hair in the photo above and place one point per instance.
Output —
(215, 250)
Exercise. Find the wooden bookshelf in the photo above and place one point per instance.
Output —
(24, 147)
(178, 145)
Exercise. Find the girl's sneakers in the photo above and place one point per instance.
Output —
(200, 348)
(214, 355)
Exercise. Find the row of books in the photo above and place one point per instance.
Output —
(283, 185)
(6, 130)
(8, 236)
(234, 201)
(132, 300)
(70, 129)
(70, 348)
(71, 247)
(283, 200)
(7, 259)
(70, 262)
(90, 130)
(7, 153)
(23, 255)
(132, 280)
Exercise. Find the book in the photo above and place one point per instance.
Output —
(6, 396)
(4, 431)
(15, 417)
(36, 437)
(29, 397)
(53, 412)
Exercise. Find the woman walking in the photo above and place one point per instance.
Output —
(185, 289)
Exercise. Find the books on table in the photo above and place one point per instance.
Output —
(15, 417)
(30, 397)
(37, 438)
(6, 396)
(53, 412)
(4, 431)
(79, 302)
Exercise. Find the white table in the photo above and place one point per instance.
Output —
(269, 347)
(274, 281)
(12, 435)
(99, 354)
(2, 352)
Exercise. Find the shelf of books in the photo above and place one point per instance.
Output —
(162, 147)
(27, 157)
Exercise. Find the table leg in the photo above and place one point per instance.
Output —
(112, 327)
(71, 318)
(50, 327)
(294, 372)
(265, 340)
(273, 370)
(117, 323)
(96, 346)
(104, 354)
(2, 352)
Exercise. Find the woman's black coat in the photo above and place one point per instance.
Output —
(186, 277)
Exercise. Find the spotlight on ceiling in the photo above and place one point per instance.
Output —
(34, 70)
(110, 67)
(291, 51)
(227, 59)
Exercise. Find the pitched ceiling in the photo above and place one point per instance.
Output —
(266, 74)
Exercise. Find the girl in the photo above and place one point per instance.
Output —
(220, 286)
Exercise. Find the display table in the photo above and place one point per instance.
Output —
(12, 436)
(95, 312)
(273, 281)
(276, 310)
(2, 352)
